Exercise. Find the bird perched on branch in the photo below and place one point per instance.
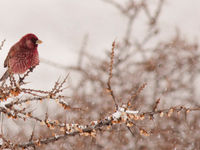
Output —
(22, 56)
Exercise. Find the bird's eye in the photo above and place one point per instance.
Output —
(34, 40)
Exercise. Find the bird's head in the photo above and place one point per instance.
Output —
(30, 41)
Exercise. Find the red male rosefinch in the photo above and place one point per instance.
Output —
(22, 56)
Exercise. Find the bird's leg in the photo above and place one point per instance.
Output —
(31, 69)
(20, 80)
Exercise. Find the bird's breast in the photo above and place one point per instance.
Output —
(23, 60)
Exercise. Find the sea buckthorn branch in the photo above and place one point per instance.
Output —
(2, 43)
(110, 75)
(121, 116)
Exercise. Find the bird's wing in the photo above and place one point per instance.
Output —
(11, 53)
(6, 62)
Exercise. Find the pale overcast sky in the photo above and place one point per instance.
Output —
(62, 24)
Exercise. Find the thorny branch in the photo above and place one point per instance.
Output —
(110, 75)
(121, 116)
(157, 110)
(2, 43)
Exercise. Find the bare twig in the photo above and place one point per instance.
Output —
(110, 75)
(2, 43)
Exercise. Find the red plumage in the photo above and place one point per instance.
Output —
(22, 56)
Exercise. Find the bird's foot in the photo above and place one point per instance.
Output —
(31, 69)
(21, 80)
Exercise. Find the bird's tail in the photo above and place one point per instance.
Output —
(5, 76)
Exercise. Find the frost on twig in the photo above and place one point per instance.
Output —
(122, 116)
(152, 86)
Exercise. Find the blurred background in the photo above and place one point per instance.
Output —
(63, 24)
(156, 43)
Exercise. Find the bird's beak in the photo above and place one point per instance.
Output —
(38, 42)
